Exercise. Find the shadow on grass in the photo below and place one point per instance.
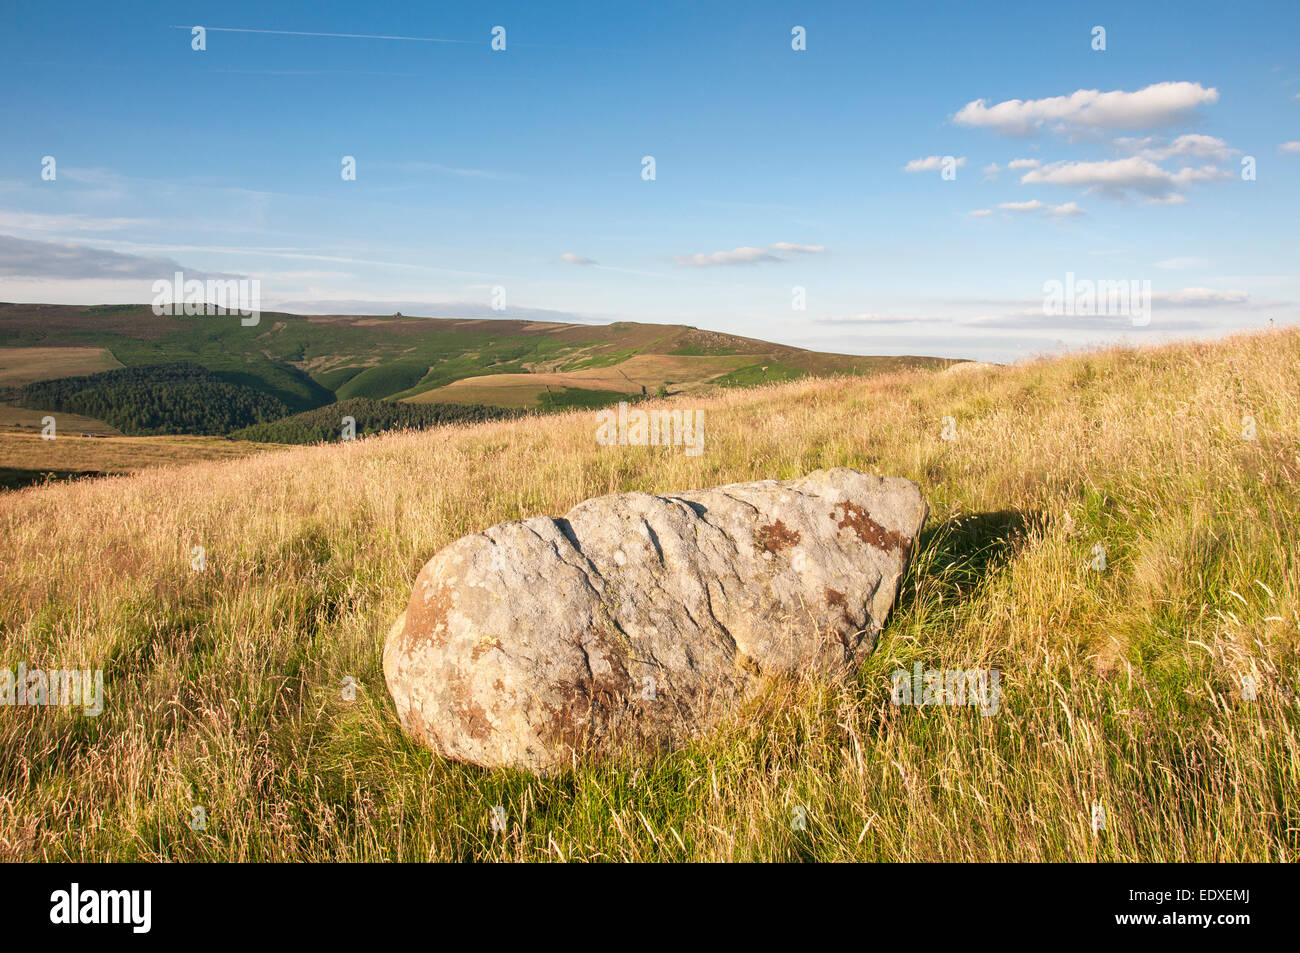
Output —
(12, 478)
(963, 553)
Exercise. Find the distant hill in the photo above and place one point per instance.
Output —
(309, 361)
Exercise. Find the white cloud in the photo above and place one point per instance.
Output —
(1192, 145)
(1090, 109)
(572, 259)
(1289, 147)
(798, 249)
(1024, 163)
(932, 163)
(1034, 205)
(1068, 209)
(744, 255)
(748, 255)
(1116, 177)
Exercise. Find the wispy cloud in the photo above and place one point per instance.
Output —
(26, 258)
(570, 258)
(69, 222)
(875, 319)
(1202, 297)
(748, 255)
(932, 163)
(1190, 146)
(438, 168)
(1067, 210)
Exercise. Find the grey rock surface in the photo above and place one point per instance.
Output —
(641, 619)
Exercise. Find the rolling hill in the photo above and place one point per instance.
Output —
(115, 370)
(308, 361)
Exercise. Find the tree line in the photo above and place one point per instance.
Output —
(326, 424)
(179, 398)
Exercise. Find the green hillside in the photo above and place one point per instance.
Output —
(292, 378)
(308, 361)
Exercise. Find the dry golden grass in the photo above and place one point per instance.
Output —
(1121, 688)
(688, 375)
(25, 456)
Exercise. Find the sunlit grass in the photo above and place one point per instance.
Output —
(1121, 688)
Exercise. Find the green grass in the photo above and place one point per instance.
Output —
(575, 398)
(608, 359)
(377, 383)
(767, 372)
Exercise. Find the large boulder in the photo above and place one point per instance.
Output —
(641, 619)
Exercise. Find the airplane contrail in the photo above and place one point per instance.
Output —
(348, 36)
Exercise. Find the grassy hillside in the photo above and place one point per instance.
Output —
(310, 361)
(1121, 688)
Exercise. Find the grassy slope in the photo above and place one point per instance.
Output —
(1120, 687)
(20, 366)
(309, 361)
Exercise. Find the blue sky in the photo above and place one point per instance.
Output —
(774, 168)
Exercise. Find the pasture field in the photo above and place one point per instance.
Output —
(22, 365)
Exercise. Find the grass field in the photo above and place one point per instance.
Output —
(22, 365)
(1122, 688)
(26, 458)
